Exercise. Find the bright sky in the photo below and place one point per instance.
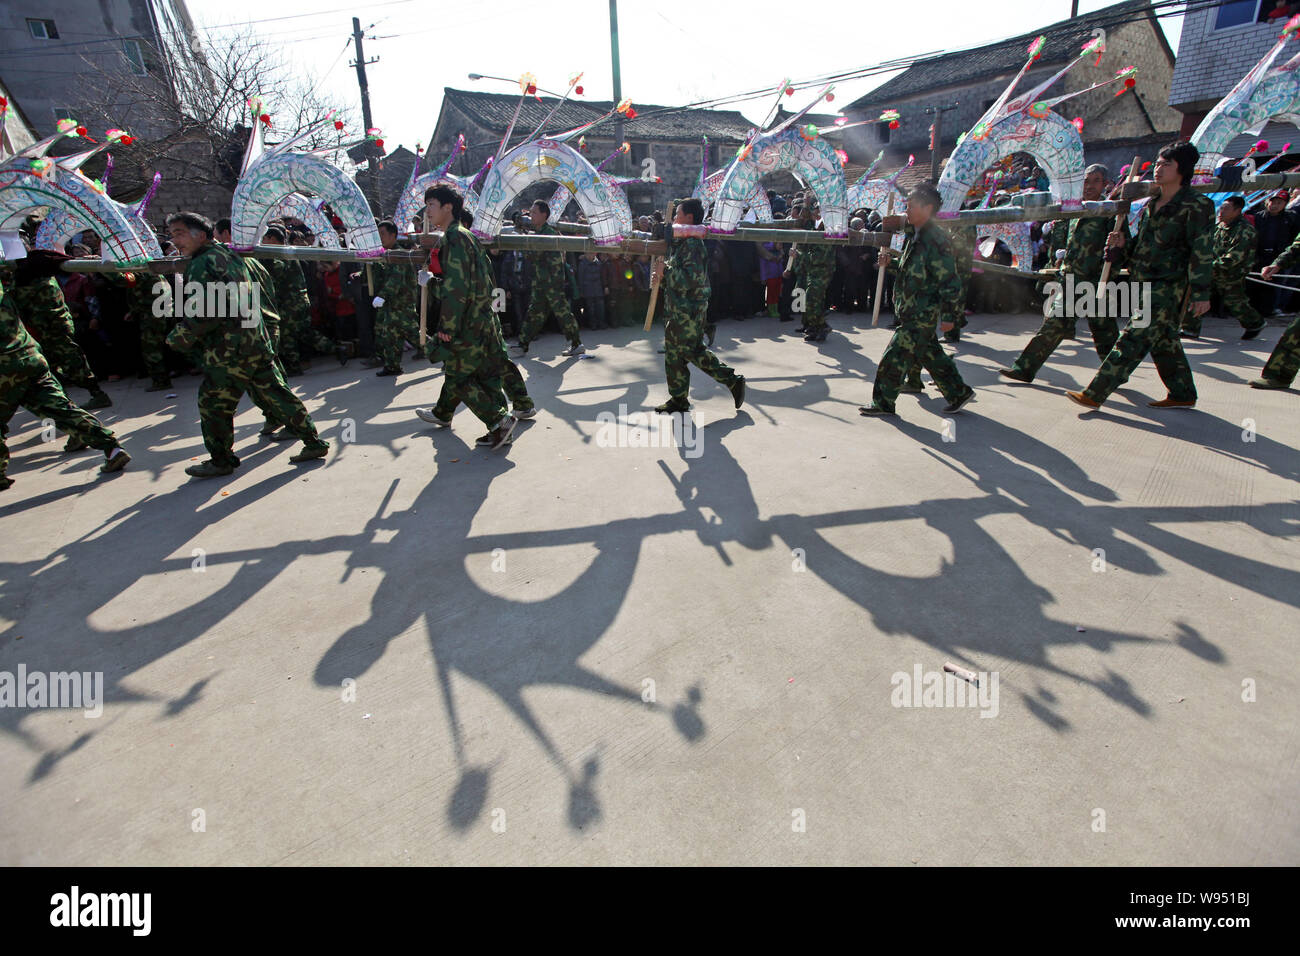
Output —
(672, 52)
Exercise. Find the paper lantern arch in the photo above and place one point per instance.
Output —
(546, 160)
(269, 175)
(812, 160)
(298, 206)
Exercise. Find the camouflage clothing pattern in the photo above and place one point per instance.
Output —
(550, 293)
(1285, 361)
(41, 305)
(144, 299)
(25, 381)
(925, 283)
(1234, 257)
(236, 356)
(471, 369)
(962, 239)
(813, 270)
(686, 309)
(1174, 252)
(294, 309)
(1085, 256)
(397, 321)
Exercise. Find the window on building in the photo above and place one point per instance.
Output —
(882, 131)
(42, 29)
(1235, 13)
(133, 50)
(639, 152)
(1277, 10)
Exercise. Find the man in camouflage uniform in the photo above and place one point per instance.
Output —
(468, 339)
(1234, 257)
(1280, 370)
(1085, 256)
(684, 278)
(292, 305)
(39, 301)
(550, 288)
(962, 239)
(25, 380)
(396, 322)
(1173, 252)
(814, 266)
(235, 353)
(925, 284)
(150, 305)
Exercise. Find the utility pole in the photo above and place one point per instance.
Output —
(936, 137)
(1074, 9)
(360, 64)
(618, 80)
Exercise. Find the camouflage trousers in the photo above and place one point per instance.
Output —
(684, 346)
(1105, 331)
(58, 340)
(1160, 338)
(36, 390)
(915, 344)
(153, 336)
(549, 300)
(1285, 361)
(496, 368)
(393, 328)
(956, 311)
(1233, 297)
(297, 337)
(814, 312)
(473, 374)
(219, 395)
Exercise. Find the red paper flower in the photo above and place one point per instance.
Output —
(3, 101)
(578, 90)
(265, 118)
(338, 125)
(830, 97)
(894, 124)
(532, 88)
(127, 140)
(789, 91)
(1130, 82)
(1145, 167)
(81, 131)
(631, 113)
(380, 144)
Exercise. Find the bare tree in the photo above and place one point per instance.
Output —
(189, 109)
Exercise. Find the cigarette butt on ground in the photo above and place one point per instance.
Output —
(963, 673)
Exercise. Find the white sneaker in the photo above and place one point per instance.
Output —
(576, 349)
(427, 415)
(525, 412)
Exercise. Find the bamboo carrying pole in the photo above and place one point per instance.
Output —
(880, 279)
(654, 272)
(1119, 221)
(424, 298)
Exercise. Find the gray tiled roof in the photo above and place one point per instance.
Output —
(493, 111)
(1064, 40)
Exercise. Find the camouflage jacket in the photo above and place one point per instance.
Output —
(1085, 247)
(1234, 250)
(926, 281)
(815, 263)
(466, 290)
(1174, 244)
(290, 286)
(19, 352)
(962, 240)
(548, 270)
(686, 273)
(395, 284)
(223, 340)
(268, 300)
(1289, 257)
(41, 303)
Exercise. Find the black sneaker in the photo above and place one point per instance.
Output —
(1184, 334)
(873, 411)
(388, 372)
(738, 391)
(671, 408)
(956, 406)
(1251, 333)
(98, 399)
(1016, 375)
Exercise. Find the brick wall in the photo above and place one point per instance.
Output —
(1212, 61)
